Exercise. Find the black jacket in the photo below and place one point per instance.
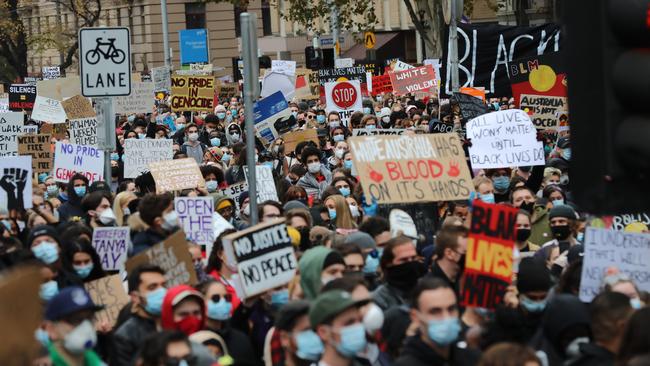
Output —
(511, 325)
(239, 346)
(594, 355)
(128, 339)
(416, 353)
(145, 240)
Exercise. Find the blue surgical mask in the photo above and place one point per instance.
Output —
(443, 332)
(234, 113)
(83, 271)
(310, 347)
(580, 237)
(636, 303)
(219, 310)
(268, 163)
(487, 198)
(347, 164)
(280, 297)
(155, 301)
(215, 141)
(372, 263)
(42, 337)
(338, 138)
(48, 290)
(320, 118)
(501, 183)
(367, 110)
(47, 252)
(371, 127)
(52, 191)
(345, 191)
(559, 202)
(6, 223)
(353, 340)
(532, 306)
(225, 158)
(80, 191)
(566, 153)
(142, 136)
(295, 115)
(211, 185)
(115, 156)
(332, 213)
(221, 115)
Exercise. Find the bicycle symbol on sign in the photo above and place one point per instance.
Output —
(108, 52)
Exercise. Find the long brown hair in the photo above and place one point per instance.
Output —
(344, 219)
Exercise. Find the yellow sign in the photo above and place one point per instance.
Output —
(337, 48)
(369, 40)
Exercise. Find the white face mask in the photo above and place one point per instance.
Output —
(313, 167)
(107, 217)
(170, 221)
(81, 338)
(573, 349)
(339, 153)
(374, 319)
(354, 211)
(247, 210)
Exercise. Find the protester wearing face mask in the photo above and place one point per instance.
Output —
(80, 257)
(192, 147)
(183, 309)
(340, 216)
(524, 199)
(555, 196)
(317, 178)
(318, 266)
(99, 213)
(563, 222)
(70, 327)
(384, 117)
(212, 176)
(484, 189)
(146, 290)
(157, 211)
(435, 310)
(333, 120)
(234, 134)
(522, 233)
(210, 125)
(43, 242)
(501, 183)
(77, 189)
(51, 188)
(301, 346)
(450, 249)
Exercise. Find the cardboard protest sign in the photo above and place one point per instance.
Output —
(59, 89)
(4, 103)
(310, 80)
(605, 248)
(78, 107)
(109, 292)
(543, 110)
(16, 182)
(83, 131)
(72, 158)
(292, 139)
(11, 126)
(192, 93)
(378, 131)
(631, 223)
(284, 66)
(504, 139)
(161, 79)
(418, 168)
(112, 245)
(176, 175)
(49, 110)
(381, 84)
(38, 147)
(139, 153)
(227, 90)
(195, 217)
(172, 256)
(343, 97)
(488, 260)
(234, 191)
(263, 255)
(343, 74)
(470, 107)
(139, 101)
(50, 72)
(58, 131)
(273, 117)
(265, 184)
(413, 80)
(22, 97)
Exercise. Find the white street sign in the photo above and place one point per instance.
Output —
(105, 61)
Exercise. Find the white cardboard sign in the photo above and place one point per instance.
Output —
(141, 99)
(112, 244)
(48, 110)
(195, 217)
(11, 126)
(343, 97)
(72, 158)
(139, 153)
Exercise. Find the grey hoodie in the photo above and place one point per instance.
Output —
(313, 186)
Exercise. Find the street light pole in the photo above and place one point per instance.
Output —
(453, 47)
(248, 23)
(165, 25)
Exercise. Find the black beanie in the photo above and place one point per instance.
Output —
(533, 276)
(565, 211)
(333, 258)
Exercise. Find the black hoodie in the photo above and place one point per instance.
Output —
(416, 353)
(72, 207)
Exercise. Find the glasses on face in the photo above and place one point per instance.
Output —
(310, 116)
(217, 297)
(225, 210)
(190, 360)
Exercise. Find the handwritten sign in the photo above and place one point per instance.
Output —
(176, 175)
(48, 109)
(72, 158)
(405, 169)
(172, 256)
(263, 255)
(59, 89)
(488, 261)
(78, 107)
(413, 80)
(504, 139)
(83, 131)
(192, 93)
(161, 79)
(265, 184)
(284, 67)
(109, 292)
(51, 72)
(22, 97)
(226, 91)
(58, 131)
(470, 106)
(440, 127)
(292, 139)
(378, 131)
(139, 153)
(629, 252)
(543, 109)
(381, 84)
(195, 216)
(139, 101)
(11, 125)
(38, 147)
(112, 244)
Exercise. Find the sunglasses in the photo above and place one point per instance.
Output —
(217, 298)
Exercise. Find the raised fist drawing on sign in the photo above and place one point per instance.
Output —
(13, 182)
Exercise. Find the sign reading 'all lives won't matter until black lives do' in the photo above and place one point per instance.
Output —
(105, 61)
(407, 169)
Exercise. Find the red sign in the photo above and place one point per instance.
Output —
(381, 84)
(344, 95)
(413, 80)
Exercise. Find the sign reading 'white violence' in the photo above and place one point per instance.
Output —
(111, 244)
(605, 248)
(139, 153)
(264, 256)
(504, 139)
(72, 158)
(195, 217)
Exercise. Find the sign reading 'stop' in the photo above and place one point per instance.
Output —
(105, 61)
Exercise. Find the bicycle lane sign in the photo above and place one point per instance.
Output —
(105, 61)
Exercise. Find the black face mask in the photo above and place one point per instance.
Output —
(561, 232)
(305, 243)
(115, 171)
(528, 207)
(461, 265)
(523, 235)
(405, 275)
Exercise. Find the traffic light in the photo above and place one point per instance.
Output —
(607, 52)
(313, 58)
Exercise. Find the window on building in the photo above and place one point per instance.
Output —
(143, 21)
(195, 16)
(118, 16)
(266, 17)
(238, 11)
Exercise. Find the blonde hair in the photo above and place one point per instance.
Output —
(478, 180)
(344, 218)
(120, 200)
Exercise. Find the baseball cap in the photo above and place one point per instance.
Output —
(99, 186)
(69, 301)
(563, 142)
(286, 317)
(330, 304)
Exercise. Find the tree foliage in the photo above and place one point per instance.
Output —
(13, 44)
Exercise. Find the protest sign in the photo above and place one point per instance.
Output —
(265, 184)
(234, 191)
(440, 127)
(543, 110)
(378, 131)
(629, 252)
(109, 292)
(413, 80)
(343, 74)
(201, 69)
(173, 256)
(486, 52)
(381, 84)
(538, 74)
(139, 153)
(638, 222)
(192, 93)
(405, 169)
(16, 182)
(83, 131)
(11, 125)
(272, 117)
(264, 256)
(176, 175)
(30, 129)
(78, 107)
(292, 139)
(488, 260)
(48, 110)
(470, 107)
(139, 101)
(161, 79)
(401, 66)
(58, 131)
(51, 72)
(195, 218)
(402, 223)
(111, 244)
(504, 139)
(38, 147)
(284, 66)
(424, 215)
(225, 91)
(59, 89)
(343, 97)
(276, 81)
(72, 158)
(343, 62)
(310, 79)
(22, 97)
(4, 103)
(31, 80)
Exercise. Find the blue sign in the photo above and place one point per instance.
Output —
(194, 46)
(273, 104)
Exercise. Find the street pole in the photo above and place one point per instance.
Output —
(105, 132)
(453, 47)
(248, 23)
(334, 23)
(165, 24)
